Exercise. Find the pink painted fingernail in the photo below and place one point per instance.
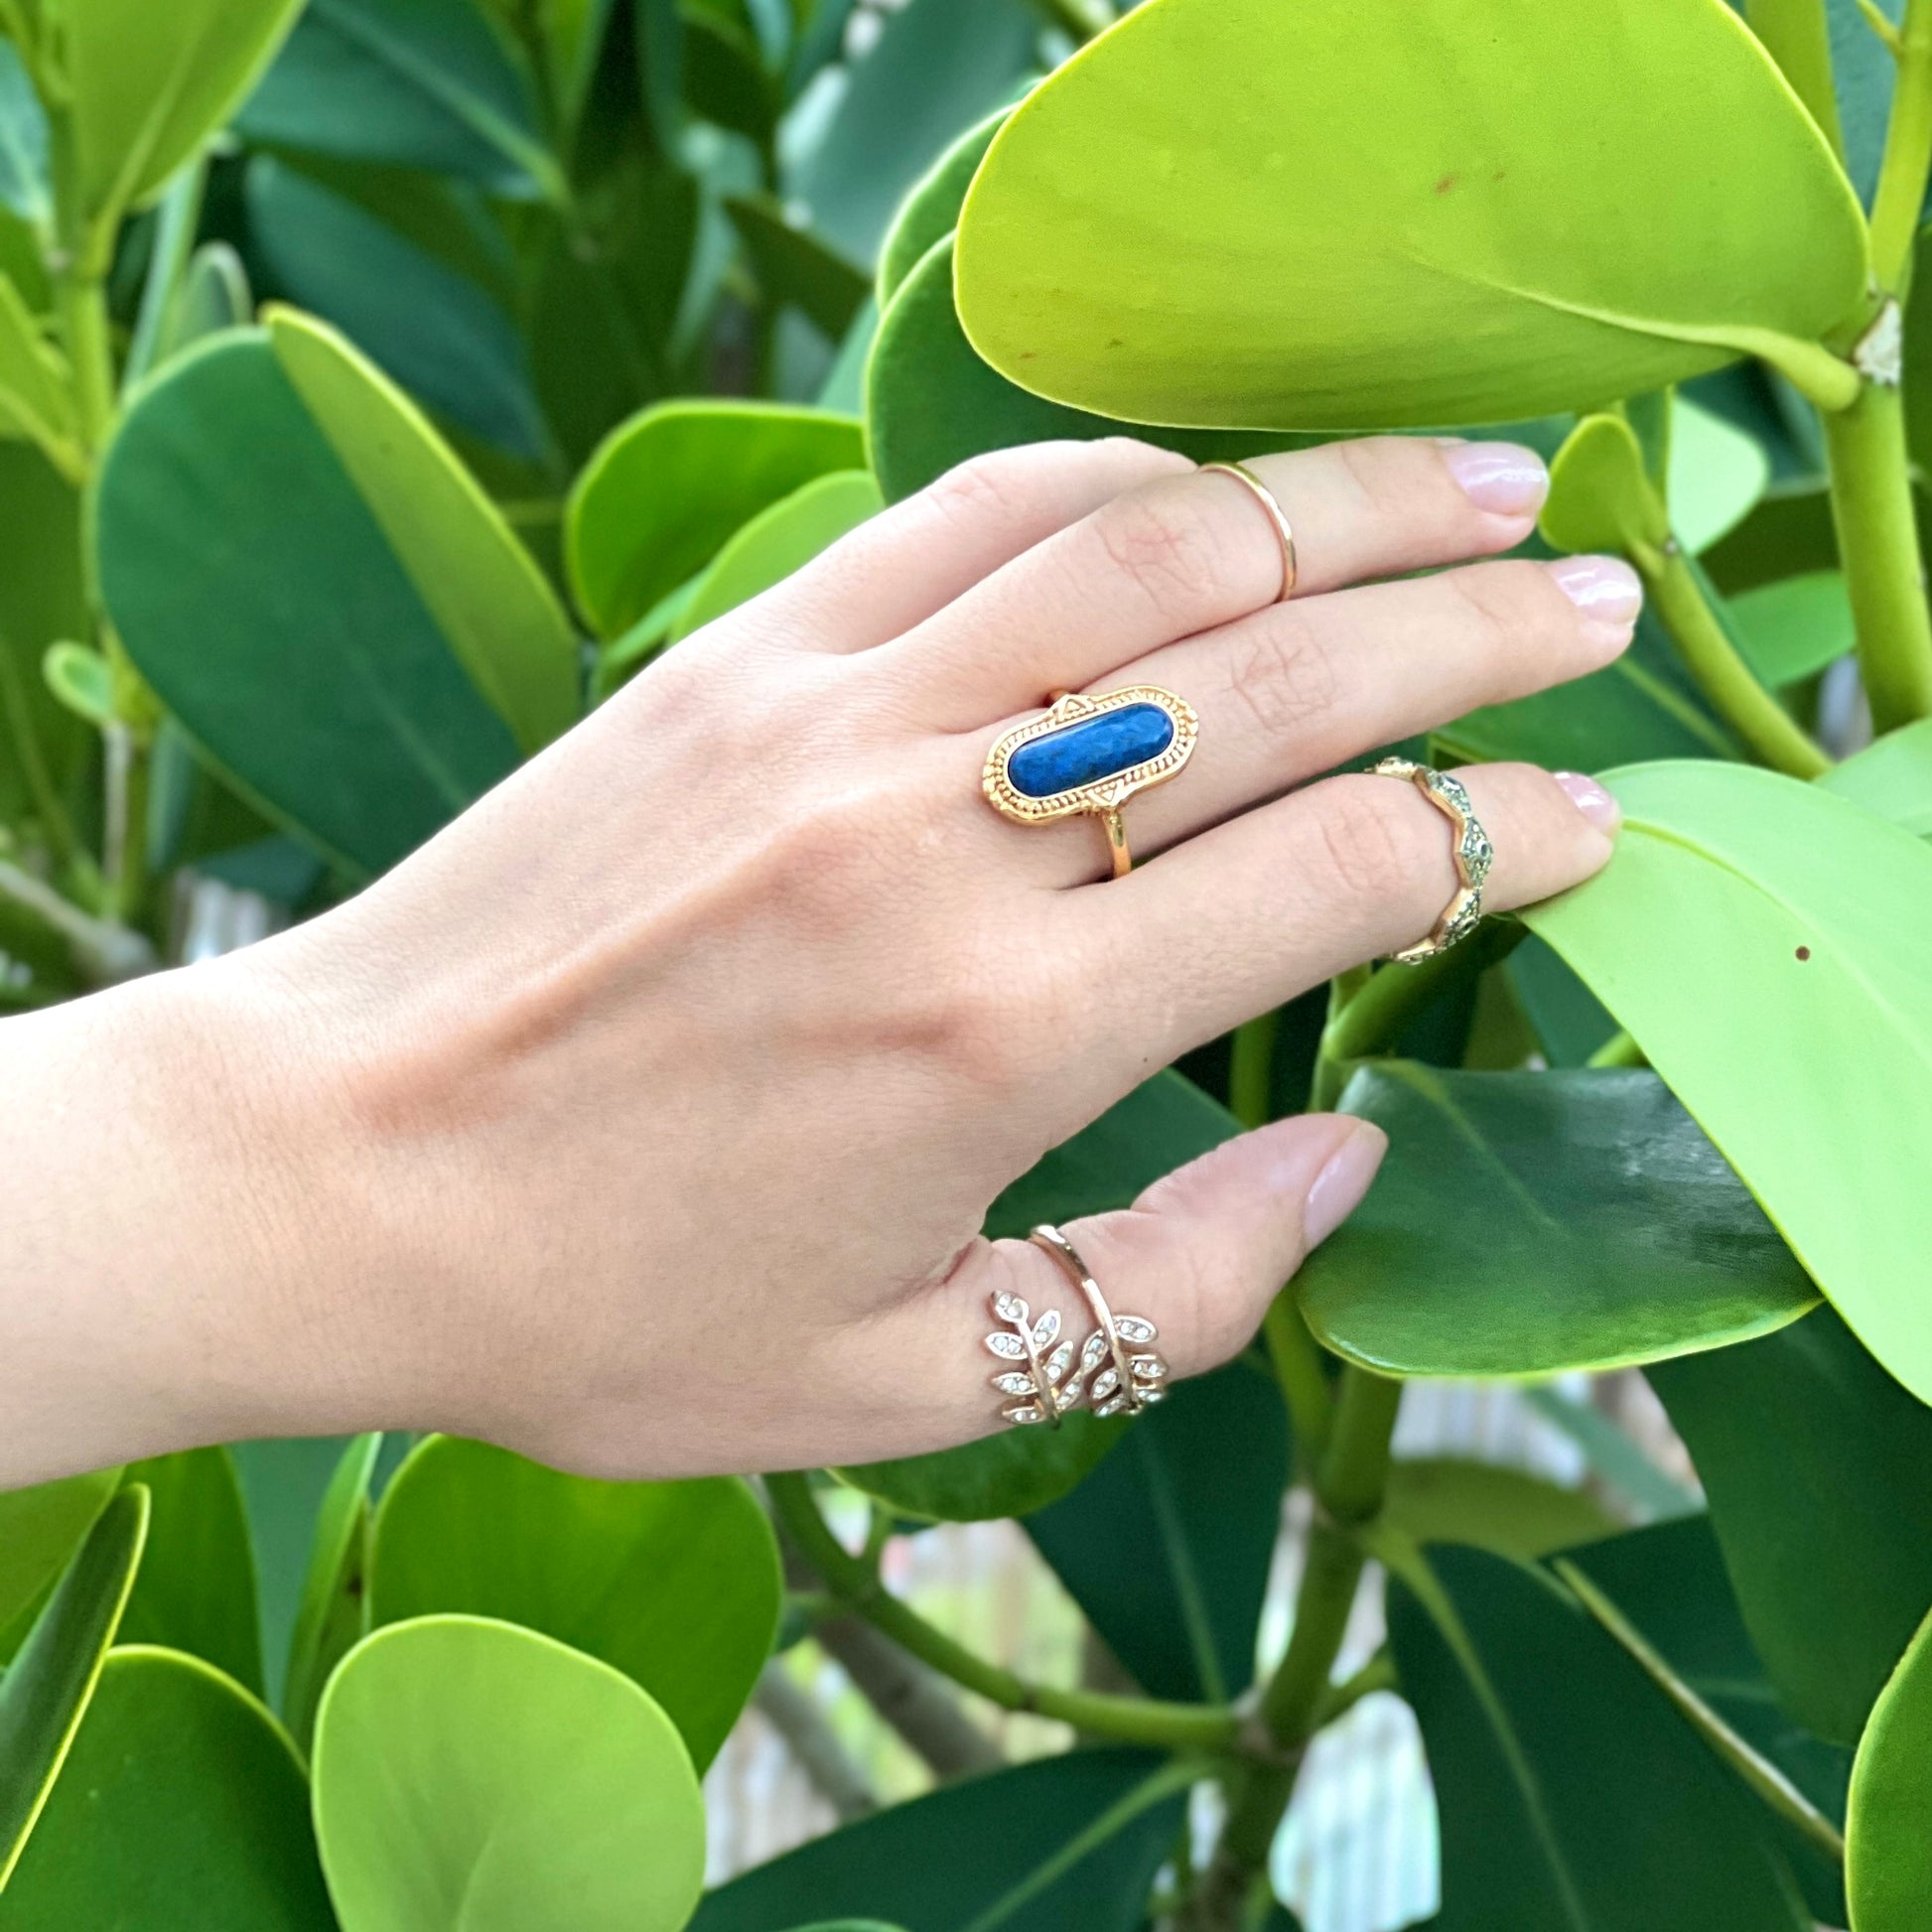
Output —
(1502, 478)
(1605, 589)
(1591, 801)
(1338, 1188)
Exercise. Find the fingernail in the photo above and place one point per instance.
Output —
(1502, 478)
(1606, 589)
(1591, 801)
(1339, 1186)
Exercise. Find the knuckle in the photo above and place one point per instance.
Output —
(1175, 554)
(1507, 603)
(1278, 673)
(1367, 842)
(998, 488)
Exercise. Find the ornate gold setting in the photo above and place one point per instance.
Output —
(1127, 1374)
(1041, 1390)
(1473, 855)
(1105, 796)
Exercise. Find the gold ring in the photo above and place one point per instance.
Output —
(1474, 855)
(1040, 1390)
(1123, 1382)
(1090, 755)
(1276, 515)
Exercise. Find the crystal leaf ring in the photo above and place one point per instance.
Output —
(1090, 755)
(1473, 855)
(1117, 1370)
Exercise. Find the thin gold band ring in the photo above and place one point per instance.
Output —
(1278, 516)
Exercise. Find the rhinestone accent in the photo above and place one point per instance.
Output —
(1057, 1363)
(1010, 1308)
(1045, 1329)
(1008, 1346)
(1068, 1396)
(1105, 1383)
(1095, 1352)
(1111, 1407)
(1023, 1411)
(1148, 1368)
(1135, 1329)
(1014, 1384)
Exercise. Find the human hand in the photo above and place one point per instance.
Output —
(644, 1120)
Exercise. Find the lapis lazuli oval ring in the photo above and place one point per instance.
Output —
(1091, 754)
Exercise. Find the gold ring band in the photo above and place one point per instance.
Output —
(1474, 855)
(1128, 1376)
(1278, 516)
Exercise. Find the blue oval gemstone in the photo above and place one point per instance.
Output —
(1089, 749)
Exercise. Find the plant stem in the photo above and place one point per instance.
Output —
(55, 826)
(1908, 153)
(103, 953)
(1348, 1490)
(1139, 1720)
(1878, 548)
(1618, 1051)
(1297, 1368)
(1251, 1075)
(1330, 1074)
(1796, 36)
(1766, 728)
(1378, 1674)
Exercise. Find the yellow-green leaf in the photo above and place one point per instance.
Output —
(35, 396)
(1599, 495)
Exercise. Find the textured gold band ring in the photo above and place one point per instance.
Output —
(1278, 516)
(1473, 855)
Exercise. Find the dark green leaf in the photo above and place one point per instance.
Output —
(1886, 1847)
(675, 1583)
(48, 1685)
(39, 1529)
(333, 1613)
(795, 266)
(1167, 1544)
(930, 212)
(1571, 1794)
(1570, 1019)
(1066, 1845)
(1819, 1470)
(1597, 1186)
(1447, 1499)
(183, 1804)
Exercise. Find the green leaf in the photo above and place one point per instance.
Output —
(213, 295)
(423, 83)
(1167, 1544)
(79, 676)
(931, 402)
(1891, 777)
(725, 79)
(196, 1588)
(675, 1583)
(38, 1529)
(1818, 1467)
(1163, 1124)
(333, 1615)
(1447, 1499)
(24, 185)
(1669, 1580)
(1716, 475)
(1068, 1844)
(148, 85)
(1595, 1185)
(930, 212)
(669, 487)
(436, 333)
(300, 650)
(936, 66)
(183, 1803)
(794, 265)
(544, 1788)
(777, 541)
(1793, 628)
(1600, 494)
(48, 1686)
(35, 388)
(1615, 1456)
(1782, 985)
(1890, 1823)
(1570, 1792)
(1347, 217)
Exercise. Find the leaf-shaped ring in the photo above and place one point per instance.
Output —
(1128, 1376)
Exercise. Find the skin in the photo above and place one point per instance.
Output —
(644, 1118)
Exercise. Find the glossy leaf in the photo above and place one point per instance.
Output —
(424, 83)
(1570, 1792)
(1381, 220)
(442, 337)
(1716, 475)
(1782, 989)
(1598, 1186)
(40, 1529)
(1793, 628)
(183, 1803)
(670, 485)
(544, 1788)
(299, 652)
(675, 1583)
(50, 1681)
(930, 212)
(1888, 1840)
(779, 541)
(1167, 1544)
(1892, 777)
(1818, 1467)
(1068, 1844)
(1600, 494)
(196, 1588)
(937, 66)
(1163, 1124)
(1447, 1499)
(333, 1613)
(150, 84)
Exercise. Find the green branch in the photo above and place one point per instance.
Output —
(1798, 37)
(1251, 1074)
(1907, 157)
(1137, 1721)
